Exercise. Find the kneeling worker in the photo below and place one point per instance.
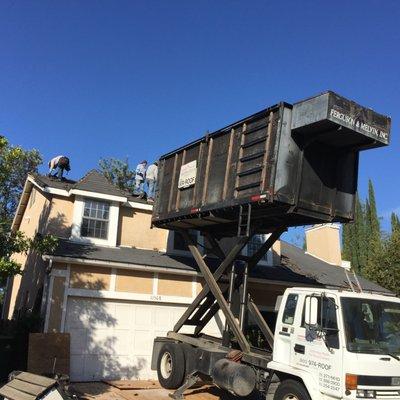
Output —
(59, 163)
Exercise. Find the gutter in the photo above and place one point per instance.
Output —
(114, 264)
(23, 202)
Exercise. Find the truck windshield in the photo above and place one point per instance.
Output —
(371, 326)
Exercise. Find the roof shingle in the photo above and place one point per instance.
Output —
(296, 266)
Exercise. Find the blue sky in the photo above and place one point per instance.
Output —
(135, 79)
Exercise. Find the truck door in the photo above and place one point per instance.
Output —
(319, 352)
(284, 330)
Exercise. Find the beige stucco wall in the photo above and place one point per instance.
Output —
(35, 213)
(134, 230)
(90, 277)
(134, 281)
(323, 242)
(174, 285)
(45, 214)
(59, 220)
(57, 298)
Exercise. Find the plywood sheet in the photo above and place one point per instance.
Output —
(134, 384)
(48, 351)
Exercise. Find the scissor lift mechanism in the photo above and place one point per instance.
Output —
(214, 297)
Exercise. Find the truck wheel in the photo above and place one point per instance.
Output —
(291, 390)
(171, 366)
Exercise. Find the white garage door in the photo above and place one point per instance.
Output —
(114, 339)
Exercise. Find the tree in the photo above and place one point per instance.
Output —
(354, 238)
(118, 173)
(373, 240)
(15, 164)
(17, 242)
(386, 272)
(395, 222)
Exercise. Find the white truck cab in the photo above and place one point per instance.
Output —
(338, 344)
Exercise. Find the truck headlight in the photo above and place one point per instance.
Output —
(366, 394)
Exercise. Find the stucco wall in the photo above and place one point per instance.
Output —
(134, 281)
(323, 242)
(44, 214)
(88, 277)
(59, 220)
(173, 285)
(35, 213)
(134, 230)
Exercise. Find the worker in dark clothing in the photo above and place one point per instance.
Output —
(59, 164)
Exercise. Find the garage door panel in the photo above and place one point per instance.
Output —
(114, 339)
(76, 316)
(143, 341)
(100, 341)
(77, 367)
(78, 340)
(142, 365)
(124, 342)
(143, 315)
(123, 316)
(163, 317)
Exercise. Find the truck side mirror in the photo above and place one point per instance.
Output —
(311, 311)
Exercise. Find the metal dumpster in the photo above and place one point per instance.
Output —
(295, 164)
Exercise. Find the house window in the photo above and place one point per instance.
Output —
(255, 243)
(95, 219)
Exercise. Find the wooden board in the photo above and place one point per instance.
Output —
(36, 379)
(134, 385)
(26, 387)
(47, 349)
(14, 394)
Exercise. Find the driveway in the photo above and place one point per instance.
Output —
(145, 390)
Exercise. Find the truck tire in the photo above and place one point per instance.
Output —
(171, 366)
(291, 390)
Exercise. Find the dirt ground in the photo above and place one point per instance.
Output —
(145, 390)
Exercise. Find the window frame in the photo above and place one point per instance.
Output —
(90, 218)
(322, 300)
(294, 309)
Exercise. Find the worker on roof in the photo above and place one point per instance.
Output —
(140, 176)
(151, 180)
(59, 164)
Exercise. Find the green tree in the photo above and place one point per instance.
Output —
(118, 173)
(17, 242)
(373, 238)
(386, 272)
(395, 222)
(354, 238)
(15, 164)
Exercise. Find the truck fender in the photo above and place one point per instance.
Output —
(307, 378)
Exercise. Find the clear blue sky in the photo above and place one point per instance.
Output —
(135, 79)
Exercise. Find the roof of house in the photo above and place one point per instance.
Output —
(296, 267)
(326, 274)
(94, 181)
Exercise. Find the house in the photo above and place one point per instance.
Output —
(114, 283)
